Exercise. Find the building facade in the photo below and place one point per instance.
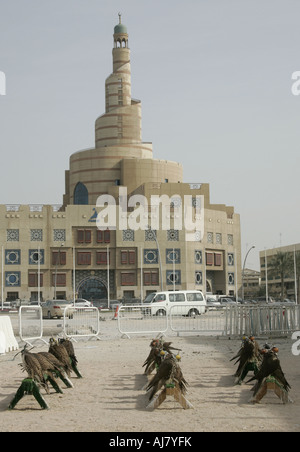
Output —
(60, 252)
(251, 282)
(281, 276)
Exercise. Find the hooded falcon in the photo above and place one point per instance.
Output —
(158, 346)
(59, 351)
(33, 367)
(168, 371)
(71, 352)
(248, 358)
(270, 367)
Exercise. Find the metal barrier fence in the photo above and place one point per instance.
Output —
(134, 319)
(211, 323)
(137, 319)
(81, 322)
(262, 320)
(224, 321)
(31, 324)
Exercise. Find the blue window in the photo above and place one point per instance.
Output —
(81, 195)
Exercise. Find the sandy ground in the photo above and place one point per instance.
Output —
(111, 398)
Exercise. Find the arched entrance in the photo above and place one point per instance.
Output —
(208, 286)
(92, 288)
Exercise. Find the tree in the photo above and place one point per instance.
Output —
(281, 266)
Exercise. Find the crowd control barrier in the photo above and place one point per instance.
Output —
(233, 320)
(210, 323)
(81, 322)
(268, 320)
(135, 320)
(31, 324)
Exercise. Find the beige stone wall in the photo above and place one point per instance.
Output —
(100, 169)
(25, 220)
(135, 172)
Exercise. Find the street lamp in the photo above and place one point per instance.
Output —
(244, 270)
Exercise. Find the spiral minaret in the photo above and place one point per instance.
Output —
(118, 138)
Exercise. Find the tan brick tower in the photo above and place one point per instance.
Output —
(119, 157)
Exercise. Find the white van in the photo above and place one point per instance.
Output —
(186, 302)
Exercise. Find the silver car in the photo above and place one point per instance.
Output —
(82, 303)
(55, 308)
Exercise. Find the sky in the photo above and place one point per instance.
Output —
(215, 81)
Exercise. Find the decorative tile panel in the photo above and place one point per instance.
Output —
(150, 235)
(12, 257)
(218, 238)
(128, 235)
(230, 259)
(230, 239)
(150, 256)
(172, 256)
(198, 236)
(36, 256)
(36, 235)
(59, 235)
(173, 235)
(175, 201)
(198, 278)
(231, 279)
(210, 237)
(196, 202)
(171, 276)
(198, 257)
(12, 279)
(12, 235)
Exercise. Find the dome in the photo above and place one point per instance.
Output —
(120, 28)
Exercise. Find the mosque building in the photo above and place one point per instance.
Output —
(65, 251)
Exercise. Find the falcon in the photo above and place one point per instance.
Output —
(71, 352)
(270, 367)
(155, 355)
(248, 358)
(34, 369)
(168, 372)
(59, 351)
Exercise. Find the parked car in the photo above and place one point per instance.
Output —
(6, 305)
(288, 301)
(227, 301)
(252, 302)
(212, 303)
(55, 308)
(82, 303)
(263, 300)
(36, 303)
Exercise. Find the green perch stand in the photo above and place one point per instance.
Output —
(29, 387)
